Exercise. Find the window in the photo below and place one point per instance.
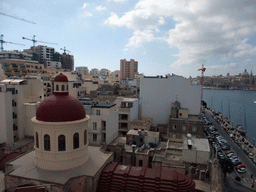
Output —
(97, 112)
(67, 87)
(85, 137)
(0, 89)
(47, 146)
(194, 128)
(94, 137)
(37, 142)
(62, 143)
(57, 87)
(14, 127)
(140, 163)
(63, 88)
(76, 141)
(184, 128)
(94, 126)
(174, 127)
(16, 91)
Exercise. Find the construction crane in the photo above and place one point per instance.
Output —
(16, 18)
(34, 41)
(202, 83)
(2, 42)
(65, 50)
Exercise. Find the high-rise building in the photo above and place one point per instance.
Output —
(67, 62)
(128, 69)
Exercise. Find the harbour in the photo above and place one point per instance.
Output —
(237, 106)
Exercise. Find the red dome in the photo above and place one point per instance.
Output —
(61, 78)
(60, 108)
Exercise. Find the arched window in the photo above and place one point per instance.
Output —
(76, 141)
(57, 87)
(63, 88)
(67, 87)
(85, 137)
(47, 146)
(61, 143)
(37, 142)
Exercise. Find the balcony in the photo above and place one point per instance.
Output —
(123, 117)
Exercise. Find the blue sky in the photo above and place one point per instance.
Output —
(164, 36)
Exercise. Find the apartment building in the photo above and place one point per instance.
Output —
(128, 69)
(103, 125)
(67, 62)
(128, 111)
(156, 95)
(19, 99)
(94, 71)
(82, 70)
(15, 63)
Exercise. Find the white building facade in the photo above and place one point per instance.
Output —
(82, 70)
(103, 125)
(19, 99)
(158, 93)
(128, 111)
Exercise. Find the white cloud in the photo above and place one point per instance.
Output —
(138, 38)
(85, 14)
(85, 5)
(100, 8)
(117, 0)
(203, 29)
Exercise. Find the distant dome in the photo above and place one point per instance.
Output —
(60, 107)
(245, 74)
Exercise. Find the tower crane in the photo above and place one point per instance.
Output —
(34, 41)
(2, 42)
(202, 83)
(65, 50)
(16, 18)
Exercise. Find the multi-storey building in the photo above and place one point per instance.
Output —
(104, 72)
(157, 94)
(67, 62)
(82, 70)
(94, 71)
(115, 77)
(19, 99)
(128, 111)
(103, 125)
(128, 69)
(15, 63)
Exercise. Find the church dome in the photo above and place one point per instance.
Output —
(61, 78)
(60, 107)
(245, 74)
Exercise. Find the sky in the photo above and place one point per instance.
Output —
(164, 36)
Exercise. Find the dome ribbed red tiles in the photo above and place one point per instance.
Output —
(60, 108)
(116, 177)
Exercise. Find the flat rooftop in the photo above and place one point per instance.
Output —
(198, 144)
(103, 105)
(25, 167)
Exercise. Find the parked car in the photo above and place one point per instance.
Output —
(240, 166)
(250, 155)
(242, 170)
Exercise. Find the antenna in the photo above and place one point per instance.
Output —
(2, 42)
(35, 41)
(17, 18)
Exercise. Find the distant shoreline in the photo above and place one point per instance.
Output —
(235, 89)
